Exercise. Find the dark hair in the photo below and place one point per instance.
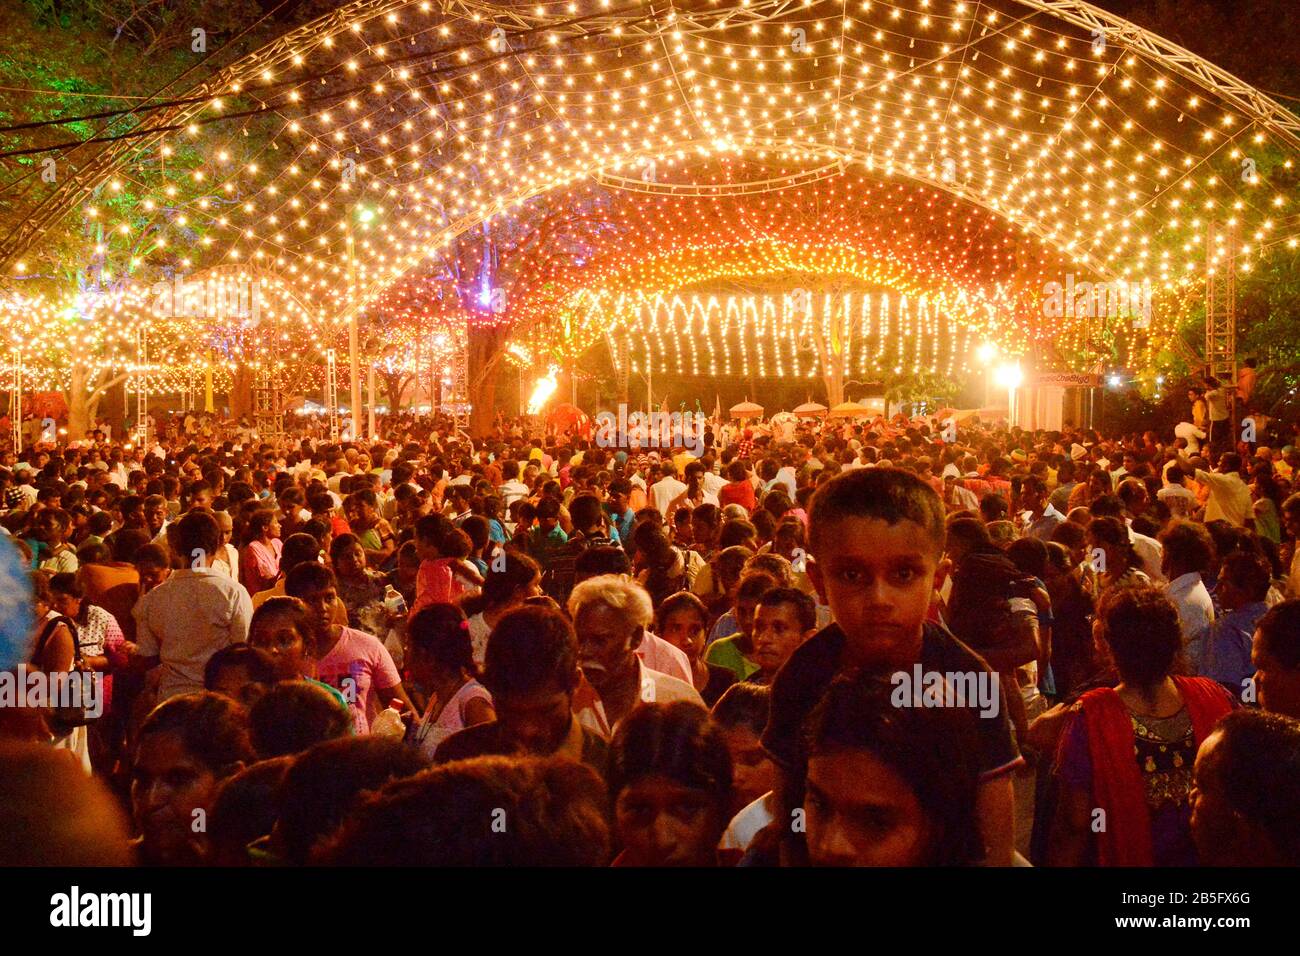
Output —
(735, 532)
(1279, 633)
(306, 578)
(212, 728)
(326, 783)
(602, 559)
(744, 705)
(1140, 626)
(585, 512)
(500, 586)
(258, 523)
(552, 808)
(1248, 571)
(295, 611)
(531, 647)
(886, 494)
(67, 584)
(295, 715)
(258, 663)
(677, 741)
(197, 531)
(969, 531)
(756, 584)
(126, 542)
(1114, 532)
(152, 555)
(805, 608)
(1029, 555)
(441, 632)
(993, 507)
(1258, 756)
(432, 528)
(707, 514)
(341, 544)
(931, 748)
(298, 548)
(1188, 545)
(1070, 534)
(244, 810)
(677, 603)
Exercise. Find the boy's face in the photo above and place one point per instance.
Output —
(776, 635)
(877, 579)
(861, 813)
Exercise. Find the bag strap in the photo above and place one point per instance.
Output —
(48, 631)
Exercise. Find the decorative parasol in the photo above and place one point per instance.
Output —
(810, 410)
(850, 410)
(746, 410)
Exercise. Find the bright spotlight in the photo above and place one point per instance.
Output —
(1113, 381)
(986, 353)
(1009, 377)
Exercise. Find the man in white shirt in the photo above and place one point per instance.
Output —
(193, 614)
(663, 491)
(512, 489)
(1177, 497)
(610, 615)
(1187, 552)
(1229, 495)
(713, 481)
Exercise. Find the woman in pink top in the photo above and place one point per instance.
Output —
(259, 562)
(440, 659)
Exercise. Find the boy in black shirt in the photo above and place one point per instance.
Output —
(876, 537)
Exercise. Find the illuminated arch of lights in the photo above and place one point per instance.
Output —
(398, 126)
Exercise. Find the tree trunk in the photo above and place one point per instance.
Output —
(394, 385)
(241, 393)
(486, 346)
(83, 396)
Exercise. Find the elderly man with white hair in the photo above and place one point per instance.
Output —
(610, 615)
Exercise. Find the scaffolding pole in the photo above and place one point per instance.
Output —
(16, 403)
(141, 384)
(1221, 309)
(332, 394)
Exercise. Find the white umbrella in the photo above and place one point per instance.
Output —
(746, 410)
(810, 410)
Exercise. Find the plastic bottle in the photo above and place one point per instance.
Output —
(389, 722)
(394, 601)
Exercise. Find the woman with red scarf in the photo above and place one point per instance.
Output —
(1125, 759)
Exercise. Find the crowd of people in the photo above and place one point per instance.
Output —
(814, 643)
